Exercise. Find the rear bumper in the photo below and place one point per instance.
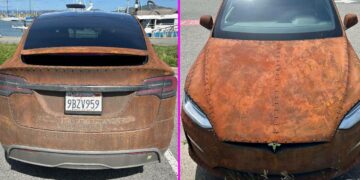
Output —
(157, 136)
(81, 150)
(151, 132)
(322, 160)
(82, 159)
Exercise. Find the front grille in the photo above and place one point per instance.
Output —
(283, 147)
(235, 175)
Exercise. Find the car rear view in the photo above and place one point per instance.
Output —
(85, 90)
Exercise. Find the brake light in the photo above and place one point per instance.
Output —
(12, 84)
(163, 87)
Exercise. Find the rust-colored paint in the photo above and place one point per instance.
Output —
(288, 92)
(127, 122)
(319, 161)
(84, 50)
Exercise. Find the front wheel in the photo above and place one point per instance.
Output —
(8, 160)
(203, 174)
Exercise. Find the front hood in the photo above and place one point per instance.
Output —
(272, 91)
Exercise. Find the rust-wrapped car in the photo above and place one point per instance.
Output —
(86, 90)
(275, 91)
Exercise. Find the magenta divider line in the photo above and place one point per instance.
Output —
(179, 90)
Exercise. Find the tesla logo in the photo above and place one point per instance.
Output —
(274, 146)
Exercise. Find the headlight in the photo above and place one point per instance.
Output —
(194, 112)
(351, 118)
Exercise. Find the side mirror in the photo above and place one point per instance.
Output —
(207, 22)
(350, 20)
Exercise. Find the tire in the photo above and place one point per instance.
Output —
(8, 160)
(203, 174)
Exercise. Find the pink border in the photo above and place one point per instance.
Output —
(179, 90)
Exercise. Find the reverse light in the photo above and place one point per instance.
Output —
(163, 87)
(194, 112)
(351, 118)
(12, 84)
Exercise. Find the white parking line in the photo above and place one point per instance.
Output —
(345, 1)
(172, 161)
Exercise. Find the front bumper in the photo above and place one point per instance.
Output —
(82, 159)
(325, 160)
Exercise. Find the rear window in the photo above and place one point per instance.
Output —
(85, 29)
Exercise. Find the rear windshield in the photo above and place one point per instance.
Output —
(277, 20)
(85, 29)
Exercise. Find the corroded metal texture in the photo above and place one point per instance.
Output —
(275, 91)
(320, 160)
(128, 121)
(291, 94)
(88, 133)
(84, 50)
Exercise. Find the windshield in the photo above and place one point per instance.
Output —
(277, 20)
(85, 29)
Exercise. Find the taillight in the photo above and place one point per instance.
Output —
(163, 87)
(12, 84)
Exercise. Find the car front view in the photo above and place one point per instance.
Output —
(86, 90)
(275, 91)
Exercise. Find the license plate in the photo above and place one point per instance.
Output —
(83, 103)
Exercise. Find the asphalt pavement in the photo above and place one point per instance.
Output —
(193, 38)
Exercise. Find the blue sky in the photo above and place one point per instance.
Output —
(107, 5)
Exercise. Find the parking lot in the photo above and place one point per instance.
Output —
(193, 38)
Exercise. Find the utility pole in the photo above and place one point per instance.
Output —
(30, 11)
(7, 7)
(128, 6)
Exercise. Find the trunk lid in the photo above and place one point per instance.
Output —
(123, 109)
